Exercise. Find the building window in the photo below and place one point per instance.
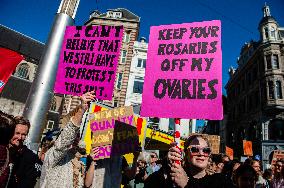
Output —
(123, 56)
(138, 86)
(141, 63)
(243, 86)
(256, 98)
(117, 14)
(278, 89)
(275, 63)
(119, 81)
(50, 124)
(126, 37)
(266, 32)
(271, 90)
(115, 103)
(249, 78)
(276, 129)
(171, 124)
(268, 61)
(250, 102)
(23, 71)
(110, 14)
(273, 32)
(53, 104)
(254, 74)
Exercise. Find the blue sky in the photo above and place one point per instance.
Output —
(239, 18)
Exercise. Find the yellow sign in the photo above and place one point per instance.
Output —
(100, 112)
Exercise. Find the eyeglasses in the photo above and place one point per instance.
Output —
(193, 149)
(153, 156)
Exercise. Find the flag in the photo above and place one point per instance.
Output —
(8, 63)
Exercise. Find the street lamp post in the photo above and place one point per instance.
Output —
(41, 92)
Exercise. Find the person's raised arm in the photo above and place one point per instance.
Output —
(91, 170)
(178, 175)
(68, 134)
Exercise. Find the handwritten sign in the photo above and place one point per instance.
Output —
(88, 60)
(184, 71)
(165, 138)
(114, 132)
(247, 146)
(277, 155)
(139, 123)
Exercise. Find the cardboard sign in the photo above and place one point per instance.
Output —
(277, 155)
(139, 123)
(230, 152)
(214, 140)
(247, 146)
(114, 132)
(88, 60)
(184, 72)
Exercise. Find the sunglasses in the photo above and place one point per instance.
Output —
(153, 156)
(193, 149)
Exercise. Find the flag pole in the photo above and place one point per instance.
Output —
(41, 92)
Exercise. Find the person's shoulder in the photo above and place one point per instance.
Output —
(30, 155)
(219, 180)
(28, 152)
(217, 177)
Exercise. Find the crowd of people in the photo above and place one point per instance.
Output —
(60, 162)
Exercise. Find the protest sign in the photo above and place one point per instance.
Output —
(114, 132)
(277, 155)
(247, 146)
(214, 140)
(88, 60)
(138, 122)
(184, 72)
(230, 152)
(165, 138)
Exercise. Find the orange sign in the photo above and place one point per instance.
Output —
(247, 145)
(230, 153)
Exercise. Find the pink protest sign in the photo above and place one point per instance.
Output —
(184, 72)
(88, 60)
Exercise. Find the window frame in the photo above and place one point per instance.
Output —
(119, 80)
(123, 56)
(23, 68)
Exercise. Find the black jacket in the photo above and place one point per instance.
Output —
(26, 169)
(157, 180)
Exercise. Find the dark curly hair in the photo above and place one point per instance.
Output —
(245, 168)
(7, 128)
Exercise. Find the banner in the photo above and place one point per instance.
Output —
(184, 72)
(88, 60)
(230, 152)
(247, 146)
(8, 63)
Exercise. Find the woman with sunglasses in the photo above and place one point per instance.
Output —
(192, 170)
